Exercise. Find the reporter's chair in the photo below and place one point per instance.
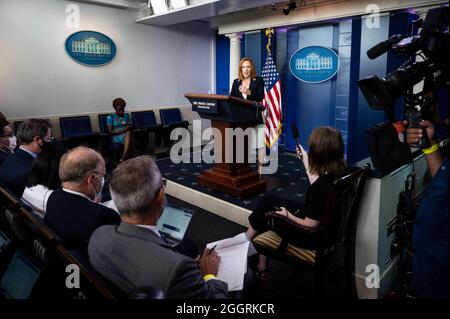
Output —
(335, 233)
(171, 119)
(77, 130)
(27, 228)
(146, 129)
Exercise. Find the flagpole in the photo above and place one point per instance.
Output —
(269, 33)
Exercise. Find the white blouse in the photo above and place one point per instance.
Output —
(37, 197)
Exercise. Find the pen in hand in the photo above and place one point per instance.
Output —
(211, 250)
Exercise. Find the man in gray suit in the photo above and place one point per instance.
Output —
(134, 255)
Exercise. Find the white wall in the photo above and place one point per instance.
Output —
(153, 66)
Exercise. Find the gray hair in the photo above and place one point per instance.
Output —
(134, 185)
(31, 128)
(77, 163)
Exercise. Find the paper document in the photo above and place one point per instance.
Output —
(233, 260)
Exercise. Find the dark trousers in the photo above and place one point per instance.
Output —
(271, 203)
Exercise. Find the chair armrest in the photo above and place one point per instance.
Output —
(278, 221)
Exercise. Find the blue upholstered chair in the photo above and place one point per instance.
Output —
(77, 130)
(147, 130)
(171, 119)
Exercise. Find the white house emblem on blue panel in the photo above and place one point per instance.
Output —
(314, 64)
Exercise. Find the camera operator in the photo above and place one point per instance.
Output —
(430, 234)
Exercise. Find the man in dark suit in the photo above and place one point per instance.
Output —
(32, 135)
(72, 212)
(134, 255)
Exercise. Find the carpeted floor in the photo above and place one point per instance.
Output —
(290, 180)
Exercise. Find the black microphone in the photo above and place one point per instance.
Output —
(384, 46)
(296, 136)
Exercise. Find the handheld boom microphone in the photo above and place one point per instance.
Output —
(296, 135)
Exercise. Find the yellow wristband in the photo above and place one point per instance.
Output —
(433, 148)
(208, 277)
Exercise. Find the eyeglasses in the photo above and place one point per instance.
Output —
(48, 139)
(98, 173)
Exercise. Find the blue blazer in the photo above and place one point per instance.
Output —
(14, 171)
(74, 218)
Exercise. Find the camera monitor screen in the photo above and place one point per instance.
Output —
(19, 278)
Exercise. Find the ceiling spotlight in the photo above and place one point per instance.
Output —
(290, 6)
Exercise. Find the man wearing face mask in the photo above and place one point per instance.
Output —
(8, 141)
(32, 136)
(73, 212)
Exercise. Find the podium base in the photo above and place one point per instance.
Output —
(236, 185)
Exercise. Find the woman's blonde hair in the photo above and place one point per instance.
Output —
(326, 152)
(253, 72)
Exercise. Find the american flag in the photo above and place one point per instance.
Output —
(272, 102)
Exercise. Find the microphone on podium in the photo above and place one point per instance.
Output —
(296, 136)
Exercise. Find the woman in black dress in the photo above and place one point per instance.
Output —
(323, 163)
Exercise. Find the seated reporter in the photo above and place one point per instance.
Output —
(324, 162)
(33, 135)
(119, 125)
(44, 177)
(133, 254)
(73, 212)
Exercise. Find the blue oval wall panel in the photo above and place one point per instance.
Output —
(90, 48)
(314, 64)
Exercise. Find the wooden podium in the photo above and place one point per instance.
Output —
(231, 175)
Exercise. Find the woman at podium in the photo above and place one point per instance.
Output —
(251, 87)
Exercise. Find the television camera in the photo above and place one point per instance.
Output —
(432, 45)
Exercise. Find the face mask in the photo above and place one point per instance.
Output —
(99, 193)
(164, 204)
(12, 143)
(101, 188)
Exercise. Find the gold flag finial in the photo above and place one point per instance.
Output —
(269, 33)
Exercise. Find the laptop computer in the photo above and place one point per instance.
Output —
(19, 278)
(173, 223)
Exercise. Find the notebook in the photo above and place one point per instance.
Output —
(20, 277)
(173, 223)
